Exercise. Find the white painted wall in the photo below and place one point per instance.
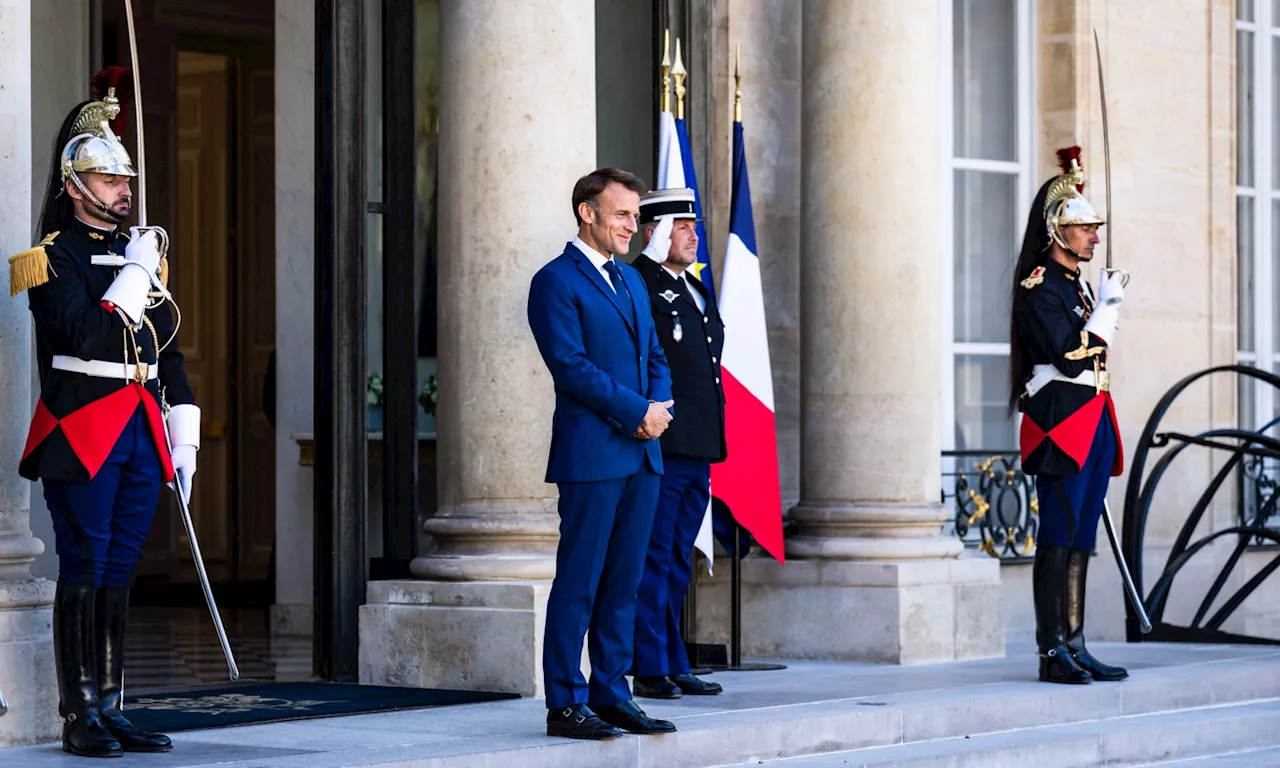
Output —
(295, 256)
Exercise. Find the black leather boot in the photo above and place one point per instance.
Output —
(1077, 575)
(113, 614)
(83, 731)
(1049, 583)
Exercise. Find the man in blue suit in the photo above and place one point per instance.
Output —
(590, 315)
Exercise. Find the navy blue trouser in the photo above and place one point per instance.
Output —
(101, 524)
(1071, 505)
(604, 529)
(668, 567)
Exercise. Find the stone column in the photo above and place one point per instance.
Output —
(27, 674)
(869, 572)
(517, 129)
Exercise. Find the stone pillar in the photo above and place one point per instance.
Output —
(27, 674)
(517, 129)
(869, 572)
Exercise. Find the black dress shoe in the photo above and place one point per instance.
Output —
(655, 688)
(695, 687)
(629, 717)
(579, 722)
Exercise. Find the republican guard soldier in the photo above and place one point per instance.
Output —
(111, 384)
(1062, 333)
(692, 336)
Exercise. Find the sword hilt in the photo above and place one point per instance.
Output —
(1124, 275)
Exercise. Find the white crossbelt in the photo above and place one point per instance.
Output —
(102, 369)
(1043, 374)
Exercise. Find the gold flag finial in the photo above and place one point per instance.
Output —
(737, 84)
(678, 72)
(665, 68)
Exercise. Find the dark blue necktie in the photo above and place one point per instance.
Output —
(624, 296)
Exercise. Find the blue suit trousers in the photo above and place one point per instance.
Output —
(668, 567)
(1071, 505)
(604, 528)
(101, 524)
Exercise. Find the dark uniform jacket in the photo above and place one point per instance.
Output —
(80, 417)
(697, 431)
(1060, 420)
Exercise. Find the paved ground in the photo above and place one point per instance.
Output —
(978, 691)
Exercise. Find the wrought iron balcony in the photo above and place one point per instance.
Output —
(995, 504)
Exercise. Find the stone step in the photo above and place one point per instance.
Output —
(1139, 740)
(1255, 758)
(809, 711)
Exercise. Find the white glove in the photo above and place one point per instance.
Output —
(184, 435)
(1111, 288)
(1102, 323)
(659, 247)
(184, 467)
(129, 290)
(143, 250)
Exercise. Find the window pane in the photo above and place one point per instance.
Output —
(985, 251)
(1275, 268)
(982, 394)
(1275, 112)
(1245, 273)
(1244, 10)
(986, 83)
(1244, 108)
(1246, 408)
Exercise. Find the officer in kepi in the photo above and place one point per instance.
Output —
(1062, 334)
(692, 336)
(111, 384)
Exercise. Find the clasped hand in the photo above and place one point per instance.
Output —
(655, 421)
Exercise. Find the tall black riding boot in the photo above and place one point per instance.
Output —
(1048, 580)
(1077, 575)
(113, 614)
(83, 731)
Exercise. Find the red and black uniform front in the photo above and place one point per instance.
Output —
(98, 442)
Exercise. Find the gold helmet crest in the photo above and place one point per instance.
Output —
(1065, 203)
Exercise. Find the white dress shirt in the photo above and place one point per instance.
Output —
(689, 289)
(597, 259)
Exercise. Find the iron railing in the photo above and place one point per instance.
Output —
(1239, 449)
(994, 503)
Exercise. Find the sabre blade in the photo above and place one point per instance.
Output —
(1106, 141)
(137, 105)
(1130, 589)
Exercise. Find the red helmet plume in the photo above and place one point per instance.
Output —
(122, 80)
(1066, 156)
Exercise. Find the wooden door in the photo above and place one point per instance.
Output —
(198, 265)
(255, 286)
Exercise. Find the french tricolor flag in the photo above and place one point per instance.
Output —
(747, 481)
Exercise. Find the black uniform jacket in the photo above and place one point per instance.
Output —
(80, 417)
(1060, 421)
(697, 431)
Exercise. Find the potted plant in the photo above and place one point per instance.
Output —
(428, 397)
(373, 399)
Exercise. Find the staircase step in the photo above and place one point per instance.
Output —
(1206, 733)
(1258, 758)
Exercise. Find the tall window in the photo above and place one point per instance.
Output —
(987, 123)
(1258, 201)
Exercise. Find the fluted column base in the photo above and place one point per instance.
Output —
(27, 674)
(863, 531)
(492, 540)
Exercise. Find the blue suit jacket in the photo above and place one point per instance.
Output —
(607, 365)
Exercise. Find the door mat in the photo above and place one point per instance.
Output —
(278, 702)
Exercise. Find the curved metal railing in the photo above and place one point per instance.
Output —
(994, 503)
(1245, 452)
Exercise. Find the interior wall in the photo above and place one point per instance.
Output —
(626, 105)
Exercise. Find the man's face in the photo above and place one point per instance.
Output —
(113, 191)
(1082, 238)
(613, 221)
(684, 242)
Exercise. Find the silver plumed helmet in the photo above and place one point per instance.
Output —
(94, 147)
(1065, 203)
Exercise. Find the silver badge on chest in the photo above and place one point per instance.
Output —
(677, 332)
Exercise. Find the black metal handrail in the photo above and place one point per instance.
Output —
(996, 510)
(1140, 491)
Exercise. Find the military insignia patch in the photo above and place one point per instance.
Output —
(1079, 311)
(96, 236)
(669, 295)
(1035, 278)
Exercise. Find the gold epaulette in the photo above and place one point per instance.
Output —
(30, 268)
(1035, 278)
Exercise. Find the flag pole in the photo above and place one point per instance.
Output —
(735, 567)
